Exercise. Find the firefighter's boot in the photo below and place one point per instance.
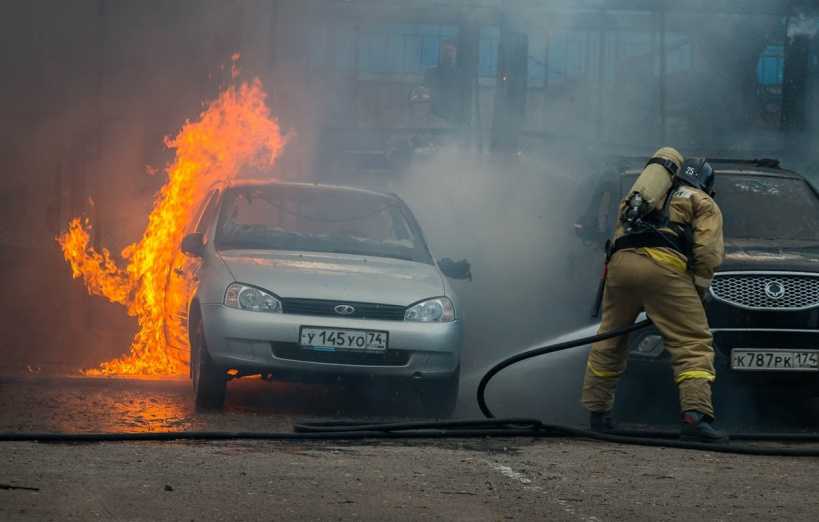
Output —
(697, 427)
(601, 422)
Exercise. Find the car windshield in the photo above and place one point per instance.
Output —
(762, 207)
(317, 219)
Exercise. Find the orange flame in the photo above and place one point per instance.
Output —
(235, 131)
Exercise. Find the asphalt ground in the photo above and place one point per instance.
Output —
(475, 479)
(448, 480)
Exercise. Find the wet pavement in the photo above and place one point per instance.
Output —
(75, 403)
(90, 404)
(475, 479)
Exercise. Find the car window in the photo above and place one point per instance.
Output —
(317, 220)
(768, 208)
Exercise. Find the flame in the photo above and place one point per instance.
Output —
(236, 130)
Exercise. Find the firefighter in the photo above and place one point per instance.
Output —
(664, 268)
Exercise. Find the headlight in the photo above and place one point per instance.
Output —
(650, 345)
(245, 297)
(438, 310)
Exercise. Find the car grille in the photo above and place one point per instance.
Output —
(294, 352)
(767, 290)
(328, 308)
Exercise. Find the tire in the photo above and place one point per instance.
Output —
(438, 398)
(209, 381)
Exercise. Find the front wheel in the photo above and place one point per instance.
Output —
(209, 380)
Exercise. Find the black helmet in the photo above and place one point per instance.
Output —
(698, 173)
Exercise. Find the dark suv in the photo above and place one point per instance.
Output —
(763, 305)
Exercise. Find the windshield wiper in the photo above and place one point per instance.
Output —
(780, 243)
(366, 253)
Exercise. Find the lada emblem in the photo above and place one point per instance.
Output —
(344, 309)
(775, 290)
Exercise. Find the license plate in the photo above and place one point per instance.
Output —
(777, 360)
(342, 339)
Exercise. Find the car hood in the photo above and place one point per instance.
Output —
(340, 277)
(761, 254)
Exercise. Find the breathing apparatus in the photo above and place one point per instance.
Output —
(645, 211)
(649, 195)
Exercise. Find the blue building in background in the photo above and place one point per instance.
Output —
(628, 78)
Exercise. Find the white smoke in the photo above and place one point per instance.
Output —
(803, 25)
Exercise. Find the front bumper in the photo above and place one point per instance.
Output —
(253, 342)
(735, 327)
(726, 339)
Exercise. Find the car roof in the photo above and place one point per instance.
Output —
(242, 183)
(753, 167)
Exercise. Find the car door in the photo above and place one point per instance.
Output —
(183, 278)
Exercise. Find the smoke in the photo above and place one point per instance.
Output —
(92, 90)
(803, 24)
(513, 220)
(94, 120)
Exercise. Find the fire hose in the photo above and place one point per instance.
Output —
(552, 348)
(536, 428)
(437, 429)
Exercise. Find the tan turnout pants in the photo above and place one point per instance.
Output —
(635, 283)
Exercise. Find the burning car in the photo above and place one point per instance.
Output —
(307, 282)
(763, 304)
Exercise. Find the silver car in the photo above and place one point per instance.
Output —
(311, 283)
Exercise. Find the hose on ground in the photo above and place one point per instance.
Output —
(503, 428)
(537, 429)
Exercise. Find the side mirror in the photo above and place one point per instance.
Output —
(455, 269)
(193, 245)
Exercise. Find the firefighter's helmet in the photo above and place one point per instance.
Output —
(698, 173)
